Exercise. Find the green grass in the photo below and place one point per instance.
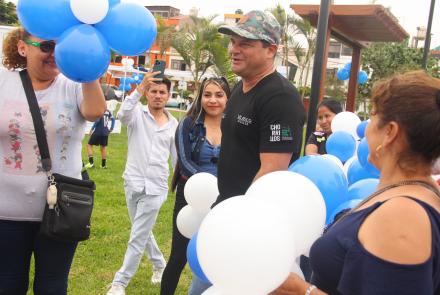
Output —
(97, 259)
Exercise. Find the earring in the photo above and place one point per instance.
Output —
(378, 148)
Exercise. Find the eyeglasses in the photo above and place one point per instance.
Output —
(45, 46)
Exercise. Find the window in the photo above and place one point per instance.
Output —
(334, 50)
(348, 51)
(178, 65)
(141, 60)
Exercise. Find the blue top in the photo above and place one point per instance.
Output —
(341, 265)
(208, 157)
(195, 153)
(101, 126)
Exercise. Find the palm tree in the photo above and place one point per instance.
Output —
(304, 55)
(201, 46)
(164, 36)
(286, 24)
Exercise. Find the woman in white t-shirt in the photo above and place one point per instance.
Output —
(65, 106)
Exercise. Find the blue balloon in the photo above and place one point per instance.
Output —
(130, 29)
(46, 19)
(343, 74)
(125, 87)
(347, 66)
(360, 129)
(327, 176)
(356, 172)
(346, 205)
(82, 54)
(113, 2)
(193, 260)
(341, 144)
(362, 154)
(362, 77)
(362, 188)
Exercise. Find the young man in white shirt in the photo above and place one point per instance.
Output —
(151, 132)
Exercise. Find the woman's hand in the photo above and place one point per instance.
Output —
(294, 285)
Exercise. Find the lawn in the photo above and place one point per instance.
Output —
(97, 259)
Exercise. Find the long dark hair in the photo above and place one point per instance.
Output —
(196, 111)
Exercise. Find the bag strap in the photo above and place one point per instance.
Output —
(40, 132)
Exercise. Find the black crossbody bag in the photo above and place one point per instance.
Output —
(69, 200)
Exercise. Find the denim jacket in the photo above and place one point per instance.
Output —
(189, 140)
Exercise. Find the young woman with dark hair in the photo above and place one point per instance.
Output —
(198, 140)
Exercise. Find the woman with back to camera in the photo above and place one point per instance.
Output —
(390, 243)
(198, 140)
(327, 110)
(65, 106)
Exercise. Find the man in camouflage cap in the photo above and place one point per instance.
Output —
(256, 25)
(264, 117)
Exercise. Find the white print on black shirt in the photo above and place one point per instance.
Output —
(279, 133)
(243, 120)
(275, 135)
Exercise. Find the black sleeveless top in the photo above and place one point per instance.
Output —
(341, 265)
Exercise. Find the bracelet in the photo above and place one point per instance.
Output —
(310, 289)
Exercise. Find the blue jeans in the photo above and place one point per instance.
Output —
(18, 241)
(197, 286)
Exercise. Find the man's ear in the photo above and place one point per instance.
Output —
(273, 49)
(21, 48)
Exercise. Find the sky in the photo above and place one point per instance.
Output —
(410, 14)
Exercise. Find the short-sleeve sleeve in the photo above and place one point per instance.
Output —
(281, 120)
(312, 139)
(363, 273)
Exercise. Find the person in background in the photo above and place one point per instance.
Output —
(65, 106)
(327, 110)
(389, 243)
(198, 140)
(99, 136)
(263, 122)
(189, 102)
(151, 132)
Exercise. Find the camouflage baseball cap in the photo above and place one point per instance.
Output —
(256, 25)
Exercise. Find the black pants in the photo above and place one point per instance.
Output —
(177, 259)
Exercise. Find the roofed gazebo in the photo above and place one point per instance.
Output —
(355, 26)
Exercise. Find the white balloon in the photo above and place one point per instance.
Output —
(130, 62)
(245, 246)
(334, 159)
(346, 121)
(188, 221)
(124, 61)
(201, 191)
(300, 198)
(89, 12)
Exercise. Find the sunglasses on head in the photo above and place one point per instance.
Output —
(45, 46)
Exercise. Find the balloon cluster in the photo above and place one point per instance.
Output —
(200, 193)
(85, 31)
(344, 73)
(344, 167)
(262, 230)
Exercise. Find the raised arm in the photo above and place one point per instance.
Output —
(93, 104)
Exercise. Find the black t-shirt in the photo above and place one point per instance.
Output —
(267, 119)
(319, 139)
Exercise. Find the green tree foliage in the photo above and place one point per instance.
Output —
(382, 60)
(165, 34)
(202, 47)
(8, 14)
